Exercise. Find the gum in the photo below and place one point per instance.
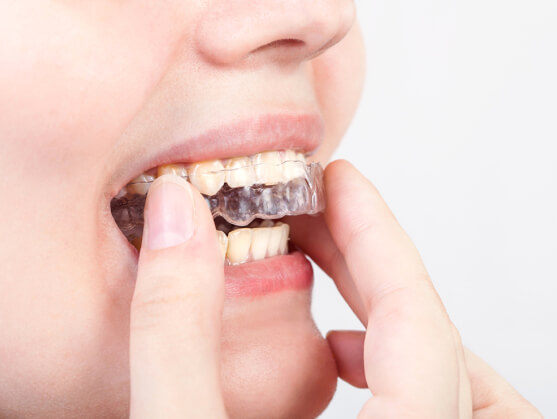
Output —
(239, 206)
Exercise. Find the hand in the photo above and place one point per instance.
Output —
(410, 356)
(176, 308)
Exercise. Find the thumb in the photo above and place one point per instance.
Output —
(176, 308)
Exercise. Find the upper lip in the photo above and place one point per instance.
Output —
(302, 132)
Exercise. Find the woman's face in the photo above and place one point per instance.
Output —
(92, 93)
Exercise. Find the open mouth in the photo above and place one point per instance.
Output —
(247, 196)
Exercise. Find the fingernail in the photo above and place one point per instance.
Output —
(169, 213)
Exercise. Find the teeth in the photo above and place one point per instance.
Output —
(140, 185)
(294, 165)
(223, 242)
(283, 248)
(268, 168)
(173, 169)
(251, 244)
(259, 243)
(207, 177)
(240, 172)
(239, 242)
(270, 184)
(275, 240)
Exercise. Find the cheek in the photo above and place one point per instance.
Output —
(72, 78)
(339, 77)
(73, 363)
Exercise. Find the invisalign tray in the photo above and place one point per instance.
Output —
(239, 206)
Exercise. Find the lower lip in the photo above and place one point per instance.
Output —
(288, 272)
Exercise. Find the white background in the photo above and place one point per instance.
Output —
(458, 129)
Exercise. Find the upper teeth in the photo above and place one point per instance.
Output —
(267, 168)
(140, 185)
(240, 172)
(207, 177)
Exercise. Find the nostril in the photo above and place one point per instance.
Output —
(282, 43)
(281, 49)
(284, 31)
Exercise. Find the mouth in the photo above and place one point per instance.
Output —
(248, 195)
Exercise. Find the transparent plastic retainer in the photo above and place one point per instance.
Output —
(303, 194)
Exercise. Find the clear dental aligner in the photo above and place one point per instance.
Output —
(265, 186)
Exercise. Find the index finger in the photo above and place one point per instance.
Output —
(411, 354)
(358, 241)
(379, 254)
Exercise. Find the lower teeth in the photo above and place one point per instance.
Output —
(243, 245)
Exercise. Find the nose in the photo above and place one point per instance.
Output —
(232, 32)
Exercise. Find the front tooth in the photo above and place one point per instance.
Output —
(207, 177)
(239, 172)
(283, 247)
(294, 165)
(173, 169)
(275, 240)
(239, 242)
(223, 242)
(259, 242)
(268, 167)
(140, 185)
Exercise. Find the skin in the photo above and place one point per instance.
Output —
(87, 87)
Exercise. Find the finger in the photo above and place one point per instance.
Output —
(368, 235)
(464, 385)
(176, 308)
(493, 397)
(411, 358)
(348, 349)
(312, 236)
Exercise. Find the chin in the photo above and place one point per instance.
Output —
(275, 363)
